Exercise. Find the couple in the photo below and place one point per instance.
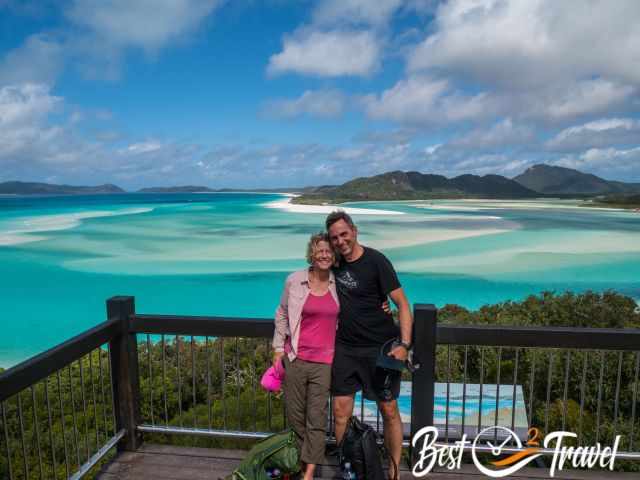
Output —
(329, 329)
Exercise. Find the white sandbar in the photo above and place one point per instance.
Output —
(285, 204)
(48, 223)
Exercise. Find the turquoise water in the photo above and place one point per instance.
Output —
(228, 254)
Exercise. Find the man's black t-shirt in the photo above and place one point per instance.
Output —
(362, 287)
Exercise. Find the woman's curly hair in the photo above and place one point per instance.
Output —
(313, 243)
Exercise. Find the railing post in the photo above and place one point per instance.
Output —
(423, 380)
(124, 368)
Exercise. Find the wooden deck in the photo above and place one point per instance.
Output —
(163, 462)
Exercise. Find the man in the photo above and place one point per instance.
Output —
(364, 279)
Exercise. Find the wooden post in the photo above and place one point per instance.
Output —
(124, 368)
(423, 380)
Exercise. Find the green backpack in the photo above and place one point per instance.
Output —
(277, 451)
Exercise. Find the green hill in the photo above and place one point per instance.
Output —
(548, 179)
(400, 185)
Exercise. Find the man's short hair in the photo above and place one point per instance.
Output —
(336, 216)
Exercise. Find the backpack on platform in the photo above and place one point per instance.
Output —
(278, 451)
(360, 448)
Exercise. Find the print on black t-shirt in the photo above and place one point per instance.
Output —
(346, 280)
(362, 287)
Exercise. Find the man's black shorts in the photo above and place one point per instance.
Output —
(355, 370)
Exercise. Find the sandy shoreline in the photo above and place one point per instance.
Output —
(425, 237)
(489, 204)
(285, 204)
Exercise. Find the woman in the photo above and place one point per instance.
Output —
(305, 330)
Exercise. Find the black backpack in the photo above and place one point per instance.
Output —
(360, 447)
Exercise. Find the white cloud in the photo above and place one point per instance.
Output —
(486, 164)
(25, 105)
(588, 97)
(300, 165)
(408, 100)
(609, 163)
(605, 124)
(431, 149)
(421, 99)
(598, 133)
(38, 60)
(355, 12)
(348, 153)
(100, 31)
(502, 134)
(327, 53)
(421, 7)
(452, 160)
(325, 170)
(142, 147)
(388, 158)
(315, 103)
(26, 138)
(539, 59)
(39, 141)
(148, 24)
(343, 37)
(518, 44)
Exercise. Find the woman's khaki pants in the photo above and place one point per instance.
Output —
(306, 394)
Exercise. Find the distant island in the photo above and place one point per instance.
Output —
(400, 185)
(35, 188)
(552, 180)
(538, 181)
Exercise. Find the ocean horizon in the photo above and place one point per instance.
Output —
(229, 253)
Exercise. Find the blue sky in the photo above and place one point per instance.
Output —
(279, 93)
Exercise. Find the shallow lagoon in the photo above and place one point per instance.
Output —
(62, 257)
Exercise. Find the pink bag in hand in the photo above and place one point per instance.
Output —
(273, 377)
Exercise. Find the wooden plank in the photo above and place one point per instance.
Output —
(171, 461)
(169, 467)
(192, 451)
(164, 462)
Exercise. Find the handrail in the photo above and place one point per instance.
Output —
(540, 337)
(201, 326)
(479, 335)
(36, 368)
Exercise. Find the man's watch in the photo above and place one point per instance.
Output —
(407, 346)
